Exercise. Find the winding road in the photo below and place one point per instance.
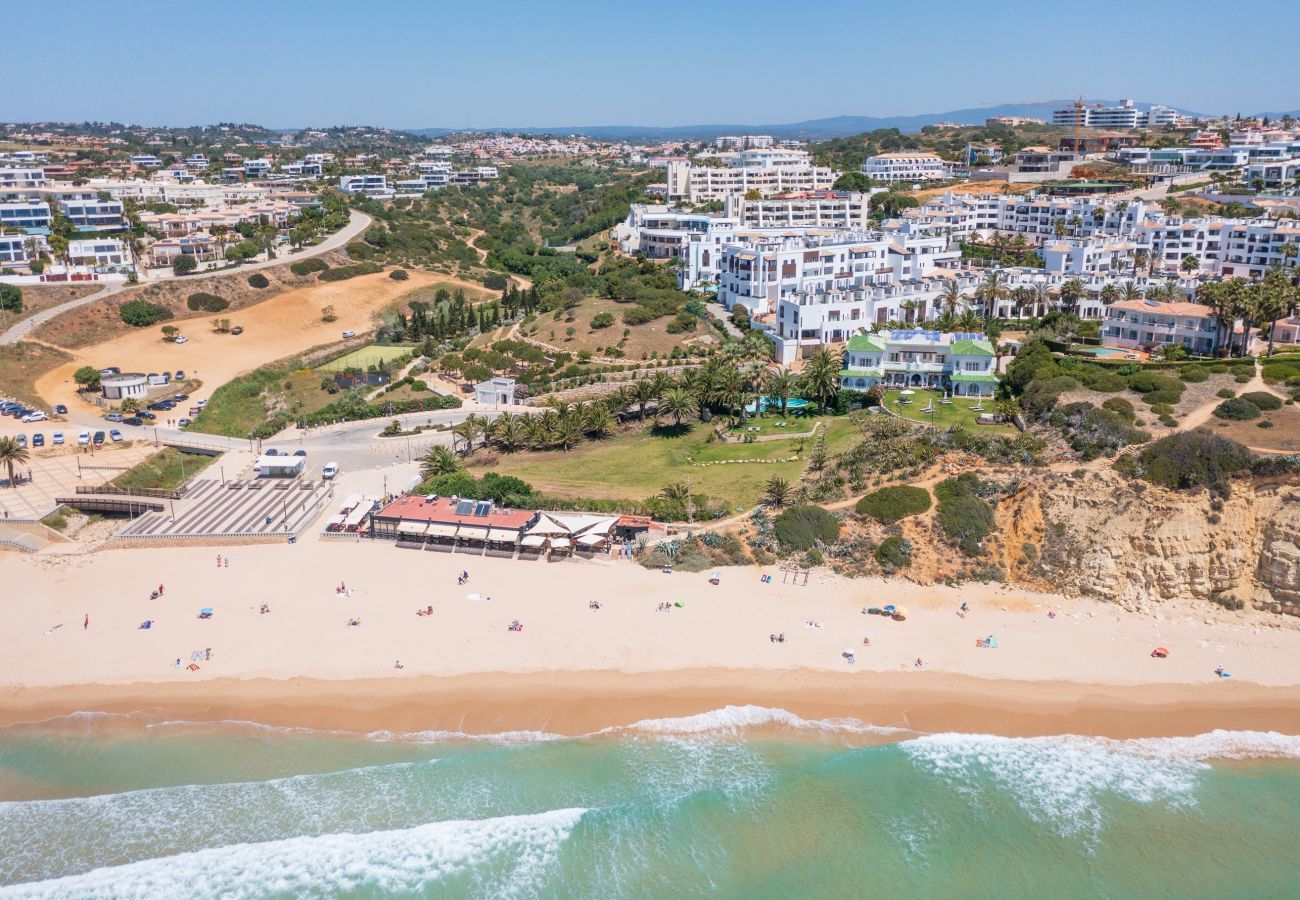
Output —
(357, 223)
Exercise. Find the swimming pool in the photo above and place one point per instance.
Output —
(1104, 351)
(794, 404)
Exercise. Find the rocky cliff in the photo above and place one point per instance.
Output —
(1099, 534)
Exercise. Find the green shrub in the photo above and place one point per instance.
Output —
(307, 266)
(893, 503)
(963, 514)
(1264, 424)
(801, 527)
(495, 281)
(360, 251)
(1190, 459)
(1193, 374)
(1225, 393)
(202, 302)
(1093, 432)
(342, 273)
(1275, 372)
(1105, 382)
(1169, 421)
(1147, 382)
(1162, 409)
(894, 553)
(1237, 409)
(602, 320)
(399, 275)
(142, 313)
(1120, 407)
(1242, 379)
(258, 280)
(1217, 369)
(1263, 400)
(1162, 396)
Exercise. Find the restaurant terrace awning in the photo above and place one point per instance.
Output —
(412, 528)
(589, 540)
(439, 530)
(472, 533)
(532, 540)
(503, 535)
(560, 542)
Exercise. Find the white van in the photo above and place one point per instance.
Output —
(331, 469)
(83, 438)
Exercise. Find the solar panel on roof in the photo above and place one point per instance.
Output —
(483, 508)
(464, 507)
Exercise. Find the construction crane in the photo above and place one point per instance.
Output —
(1079, 106)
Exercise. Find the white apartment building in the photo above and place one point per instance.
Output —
(93, 214)
(814, 209)
(257, 168)
(756, 274)
(768, 171)
(1099, 255)
(33, 216)
(982, 154)
(196, 161)
(375, 186)
(146, 161)
(963, 363)
(15, 177)
(1150, 324)
(1126, 115)
(19, 249)
(1252, 247)
(1273, 174)
(744, 141)
(100, 254)
(907, 166)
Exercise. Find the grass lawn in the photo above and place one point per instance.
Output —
(21, 364)
(363, 357)
(642, 340)
(240, 405)
(637, 465)
(166, 470)
(956, 413)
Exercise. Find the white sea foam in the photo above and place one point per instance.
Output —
(1063, 780)
(513, 851)
(443, 737)
(732, 719)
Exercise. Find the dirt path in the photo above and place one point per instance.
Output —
(273, 329)
(475, 234)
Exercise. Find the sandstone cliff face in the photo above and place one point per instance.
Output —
(1106, 537)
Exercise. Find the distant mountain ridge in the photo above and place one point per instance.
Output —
(812, 129)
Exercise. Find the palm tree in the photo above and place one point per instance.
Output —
(438, 461)
(992, 289)
(1070, 293)
(465, 431)
(567, 431)
(509, 432)
(951, 297)
(730, 391)
(1044, 297)
(1189, 264)
(1020, 298)
(597, 420)
(821, 377)
(643, 392)
(12, 453)
(781, 383)
(777, 492)
(677, 402)
(1141, 260)
(1130, 292)
(1109, 294)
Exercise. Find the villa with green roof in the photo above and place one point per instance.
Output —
(963, 364)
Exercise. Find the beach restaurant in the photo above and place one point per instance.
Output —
(450, 523)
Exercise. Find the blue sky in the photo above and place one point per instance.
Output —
(408, 64)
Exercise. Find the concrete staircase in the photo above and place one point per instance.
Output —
(22, 539)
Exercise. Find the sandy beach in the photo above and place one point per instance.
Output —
(575, 670)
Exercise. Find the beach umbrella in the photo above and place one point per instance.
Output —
(906, 393)
(206, 611)
(477, 598)
(889, 608)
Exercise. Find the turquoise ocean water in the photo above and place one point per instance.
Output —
(742, 802)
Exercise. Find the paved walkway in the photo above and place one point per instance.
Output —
(358, 223)
(59, 474)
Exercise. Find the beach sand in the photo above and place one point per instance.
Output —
(573, 670)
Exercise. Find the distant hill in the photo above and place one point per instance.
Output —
(812, 129)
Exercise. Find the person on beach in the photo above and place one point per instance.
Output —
(207, 654)
(225, 561)
(218, 560)
(85, 623)
(160, 590)
(397, 664)
(918, 662)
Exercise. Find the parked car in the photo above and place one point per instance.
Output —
(182, 423)
(271, 452)
(58, 437)
(115, 434)
(134, 420)
(238, 329)
(36, 416)
(99, 438)
(180, 374)
(8, 405)
(348, 334)
(201, 403)
(331, 469)
(159, 405)
(182, 339)
(194, 410)
(300, 453)
(110, 370)
(180, 397)
(83, 438)
(22, 440)
(113, 417)
(61, 409)
(38, 440)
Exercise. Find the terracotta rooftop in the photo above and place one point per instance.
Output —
(448, 511)
(1164, 309)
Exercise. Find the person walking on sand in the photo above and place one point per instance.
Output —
(160, 590)
(225, 561)
(85, 623)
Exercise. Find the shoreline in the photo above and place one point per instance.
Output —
(577, 703)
